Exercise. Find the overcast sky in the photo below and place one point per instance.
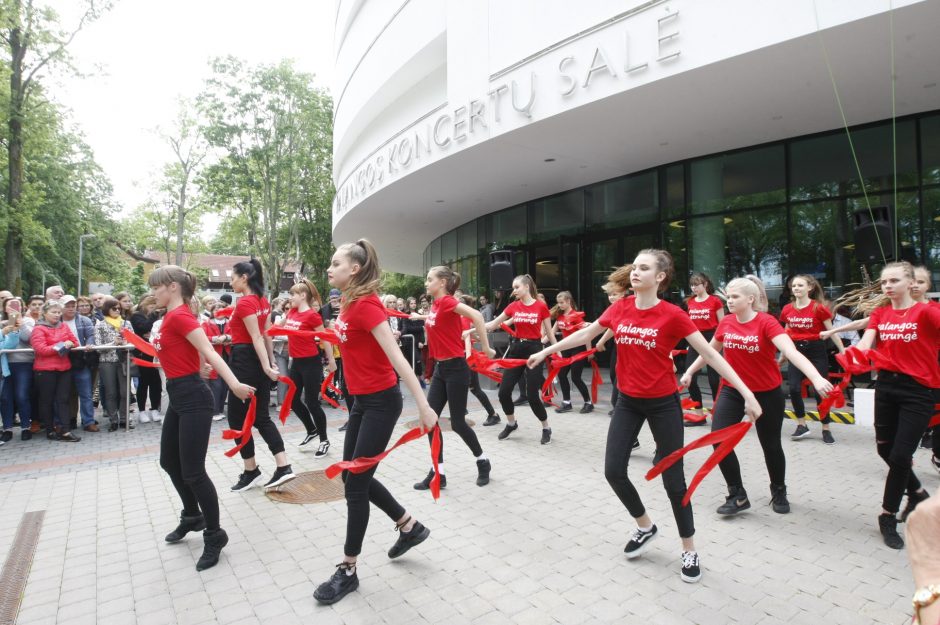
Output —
(145, 54)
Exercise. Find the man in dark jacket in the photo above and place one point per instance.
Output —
(84, 330)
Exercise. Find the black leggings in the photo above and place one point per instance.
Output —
(815, 352)
(665, 418)
(479, 393)
(184, 441)
(576, 370)
(149, 381)
(52, 389)
(533, 380)
(449, 386)
(713, 378)
(729, 409)
(372, 420)
(244, 364)
(613, 376)
(307, 374)
(903, 408)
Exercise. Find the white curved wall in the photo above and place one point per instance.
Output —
(446, 110)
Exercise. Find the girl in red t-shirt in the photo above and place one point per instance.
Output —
(182, 346)
(451, 379)
(705, 310)
(306, 368)
(646, 329)
(531, 320)
(804, 319)
(569, 321)
(253, 361)
(750, 338)
(371, 358)
(906, 333)
(216, 329)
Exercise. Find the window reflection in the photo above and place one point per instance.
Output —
(732, 245)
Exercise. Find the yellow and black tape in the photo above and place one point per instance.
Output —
(837, 416)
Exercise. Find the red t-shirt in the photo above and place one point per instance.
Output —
(444, 327)
(909, 337)
(749, 349)
(570, 323)
(302, 346)
(805, 324)
(177, 355)
(248, 305)
(527, 320)
(644, 339)
(705, 314)
(365, 365)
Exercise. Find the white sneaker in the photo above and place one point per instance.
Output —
(144, 416)
(156, 415)
(218, 417)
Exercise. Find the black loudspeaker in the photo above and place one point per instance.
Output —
(874, 235)
(501, 270)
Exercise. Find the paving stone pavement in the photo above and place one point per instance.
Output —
(543, 543)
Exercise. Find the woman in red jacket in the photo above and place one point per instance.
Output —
(52, 340)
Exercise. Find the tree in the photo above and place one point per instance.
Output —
(34, 41)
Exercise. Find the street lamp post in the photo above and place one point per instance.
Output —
(81, 254)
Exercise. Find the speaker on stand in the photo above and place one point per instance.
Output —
(874, 235)
(502, 270)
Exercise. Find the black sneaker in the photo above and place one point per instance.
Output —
(343, 428)
(338, 586)
(7, 436)
(610, 412)
(483, 472)
(425, 484)
(778, 499)
(322, 450)
(888, 524)
(212, 549)
(639, 542)
(926, 441)
(509, 429)
(194, 523)
(913, 499)
(492, 419)
(827, 437)
(522, 401)
(736, 502)
(565, 407)
(248, 479)
(282, 475)
(801, 431)
(636, 443)
(691, 570)
(933, 459)
(407, 540)
(587, 408)
(26, 435)
(305, 445)
(546, 436)
(64, 437)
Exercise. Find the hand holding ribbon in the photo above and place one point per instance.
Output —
(328, 386)
(243, 434)
(508, 330)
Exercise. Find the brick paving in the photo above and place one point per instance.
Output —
(543, 543)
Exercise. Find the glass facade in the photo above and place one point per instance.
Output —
(772, 210)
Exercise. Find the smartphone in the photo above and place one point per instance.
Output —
(16, 305)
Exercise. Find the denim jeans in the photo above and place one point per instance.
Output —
(15, 396)
(81, 389)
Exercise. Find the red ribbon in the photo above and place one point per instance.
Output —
(328, 385)
(394, 313)
(328, 336)
(836, 397)
(726, 439)
(935, 421)
(478, 362)
(691, 417)
(688, 403)
(596, 380)
(224, 312)
(140, 362)
(363, 464)
(245, 433)
(676, 352)
(508, 330)
(139, 342)
(555, 364)
(288, 397)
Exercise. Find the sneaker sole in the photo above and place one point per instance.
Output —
(736, 511)
(333, 600)
(253, 484)
(795, 437)
(688, 579)
(284, 479)
(642, 548)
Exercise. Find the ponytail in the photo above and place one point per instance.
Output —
(368, 279)
(170, 274)
(252, 270)
(451, 278)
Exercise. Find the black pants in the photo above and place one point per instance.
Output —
(714, 379)
(533, 380)
(184, 441)
(729, 409)
(52, 391)
(219, 390)
(576, 369)
(150, 383)
(665, 419)
(903, 408)
(307, 374)
(815, 352)
(244, 364)
(449, 385)
(479, 393)
(372, 420)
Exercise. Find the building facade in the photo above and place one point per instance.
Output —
(740, 136)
